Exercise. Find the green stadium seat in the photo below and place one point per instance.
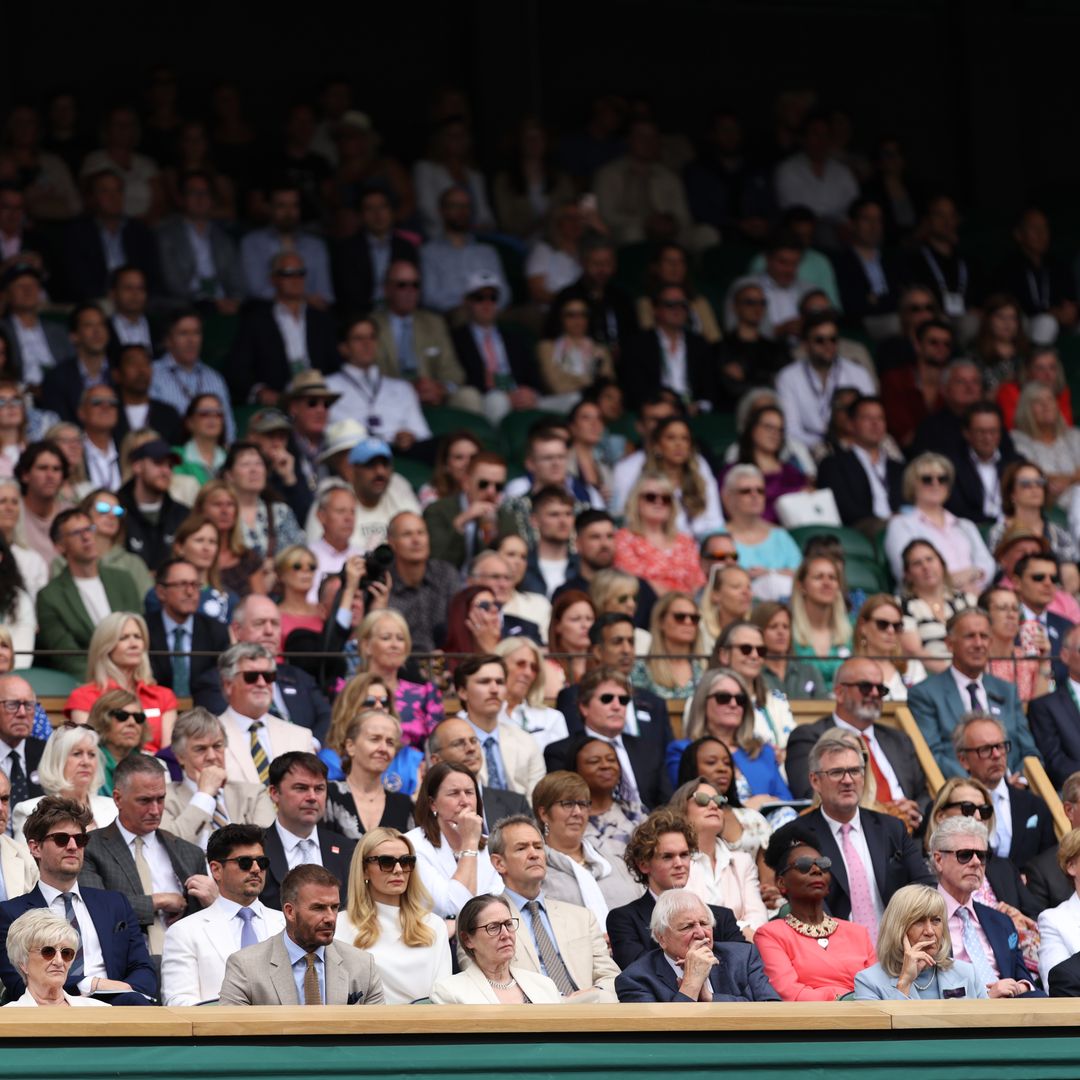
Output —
(47, 682)
(866, 575)
(715, 430)
(242, 414)
(722, 264)
(443, 419)
(633, 264)
(514, 430)
(1057, 515)
(416, 472)
(854, 543)
(219, 331)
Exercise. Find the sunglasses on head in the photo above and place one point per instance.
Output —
(701, 799)
(123, 715)
(62, 839)
(656, 498)
(866, 688)
(970, 809)
(388, 862)
(607, 699)
(252, 677)
(750, 650)
(686, 617)
(103, 507)
(805, 863)
(246, 862)
(965, 855)
(67, 954)
(726, 697)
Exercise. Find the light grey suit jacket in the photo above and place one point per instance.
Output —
(248, 804)
(959, 982)
(19, 871)
(178, 260)
(262, 975)
(432, 347)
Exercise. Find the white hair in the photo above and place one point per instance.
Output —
(672, 903)
(34, 929)
(55, 756)
(952, 828)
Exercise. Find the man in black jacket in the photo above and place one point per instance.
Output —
(987, 451)
(153, 516)
(131, 375)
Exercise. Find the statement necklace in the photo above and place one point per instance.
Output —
(820, 931)
(503, 986)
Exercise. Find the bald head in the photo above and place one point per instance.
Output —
(16, 726)
(455, 741)
(859, 692)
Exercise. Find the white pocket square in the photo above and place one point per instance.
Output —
(1033, 821)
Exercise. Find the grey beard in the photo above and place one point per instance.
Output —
(868, 712)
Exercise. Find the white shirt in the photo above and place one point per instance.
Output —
(293, 335)
(36, 354)
(370, 528)
(243, 727)
(807, 399)
(136, 415)
(962, 682)
(876, 474)
(207, 804)
(162, 876)
(991, 483)
(382, 404)
(437, 866)
(92, 593)
(102, 466)
(132, 331)
(329, 561)
(828, 195)
(781, 302)
(620, 753)
(93, 956)
(858, 841)
(877, 753)
(299, 850)
(673, 372)
(553, 571)
(1003, 822)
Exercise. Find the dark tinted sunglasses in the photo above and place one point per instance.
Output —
(805, 863)
(965, 855)
(388, 862)
(607, 699)
(1042, 577)
(686, 617)
(970, 809)
(62, 839)
(123, 714)
(252, 677)
(749, 650)
(483, 485)
(888, 624)
(866, 688)
(67, 954)
(245, 862)
(725, 697)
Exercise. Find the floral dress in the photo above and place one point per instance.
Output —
(420, 707)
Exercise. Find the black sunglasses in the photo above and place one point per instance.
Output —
(122, 715)
(291, 271)
(888, 624)
(245, 862)
(749, 650)
(375, 702)
(686, 617)
(866, 688)
(965, 855)
(483, 485)
(607, 699)
(1042, 577)
(62, 839)
(388, 862)
(970, 809)
(805, 863)
(725, 697)
(252, 677)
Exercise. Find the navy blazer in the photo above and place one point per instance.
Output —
(85, 270)
(1005, 944)
(1057, 627)
(1055, 726)
(630, 936)
(654, 723)
(62, 389)
(1032, 826)
(966, 498)
(897, 859)
(937, 705)
(208, 635)
(336, 853)
(640, 367)
(653, 782)
(122, 944)
(844, 475)
(520, 355)
(737, 976)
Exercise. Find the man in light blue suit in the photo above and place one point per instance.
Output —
(937, 703)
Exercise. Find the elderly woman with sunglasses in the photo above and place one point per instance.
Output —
(877, 633)
(42, 946)
(809, 955)
(120, 723)
(389, 915)
(928, 480)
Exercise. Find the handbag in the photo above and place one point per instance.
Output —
(807, 508)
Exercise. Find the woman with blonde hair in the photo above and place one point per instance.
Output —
(389, 915)
(914, 953)
(69, 439)
(670, 452)
(820, 630)
(878, 627)
(615, 591)
(1042, 436)
(727, 598)
(296, 567)
(525, 698)
(237, 564)
(674, 662)
(120, 723)
(650, 545)
(118, 660)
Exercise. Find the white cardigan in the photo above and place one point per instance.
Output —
(1059, 935)
(470, 987)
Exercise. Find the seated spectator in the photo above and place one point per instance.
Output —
(420, 587)
(1037, 580)
(650, 546)
(1018, 543)
(783, 286)
(814, 177)
(132, 375)
(868, 278)
(762, 443)
(1028, 665)
(203, 454)
(267, 524)
(284, 233)
(987, 453)
(144, 196)
(42, 948)
(530, 184)
(591, 449)
(196, 949)
(670, 452)
(69, 768)
(464, 524)
(878, 627)
(106, 238)
(914, 937)
(767, 552)
(65, 386)
(795, 679)
(1001, 346)
(912, 391)
(414, 344)
(22, 750)
(747, 357)
(613, 808)
(120, 723)
(179, 374)
(50, 193)
(928, 600)
(551, 562)
(727, 598)
(452, 862)
(928, 481)
(669, 266)
(130, 321)
(719, 875)
(571, 359)
(241, 569)
(14, 421)
(295, 567)
(794, 964)
(153, 517)
(1038, 279)
(554, 261)
(387, 916)
(741, 647)
(473, 623)
(1042, 437)
(1057, 925)
(1041, 365)
(820, 629)
(452, 455)
(671, 668)
(942, 430)
(723, 706)
(32, 347)
(292, 474)
(504, 570)
(577, 872)
(449, 163)
(939, 264)
(526, 691)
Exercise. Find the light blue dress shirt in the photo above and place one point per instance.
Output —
(519, 902)
(299, 967)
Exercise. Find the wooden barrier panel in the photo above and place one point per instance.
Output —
(1041, 786)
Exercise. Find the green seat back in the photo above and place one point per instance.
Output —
(514, 431)
(47, 682)
(443, 419)
(854, 543)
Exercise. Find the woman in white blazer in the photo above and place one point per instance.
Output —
(487, 931)
(41, 947)
(1059, 927)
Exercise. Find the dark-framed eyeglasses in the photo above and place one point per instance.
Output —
(246, 862)
(387, 863)
(855, 772)
(929, 479)
(573, 804)
(1040, 577)
(970, 809)
(824, 339)
(14, 705)
(989, 750)
(494, 929)
(657, 498)
(498, 485)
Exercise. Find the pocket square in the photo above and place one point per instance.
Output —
(1033, 822)
(120, 927)
(356, 998)
(959, 992)
(1014, 940)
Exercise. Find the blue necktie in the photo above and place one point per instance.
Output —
(495, 776)
(984, 973)
(76, 971)
(180, 671)
(247, 934)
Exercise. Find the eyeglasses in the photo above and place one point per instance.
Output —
(63, 839)
(1037, 482)
(1005, 609)
(317, 403)
(607, 699)
(751, 301)
(725, 697)
(388, 862)
(489, 605)
(929, 479)
(824, 339)
(210, 413)
(701, 799)
(625, 598)
(14, 705)
(573, 804)
(484, 296)
(989, 750)
(725, 556)
(886, 624)
(970, 809)
(750, 650)
(180, 585)
(252, 677)
(686, 617)
(122, 715)
(86, 530)
(246, 862)
(498, 485)
(375, 702)
(303, 566)
(750, 491)
(805, 863)
(6, 401)
(965, 855)
(837, 775)
(494, 929)
(408, 283)
(67, 954)
(575, 313)
(103, 402)
(674, 304)
(654, 498)
(866, 688)
(103, 507)
(1041, 577)
(291, 271)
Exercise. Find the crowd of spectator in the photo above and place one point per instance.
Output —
(429, 598)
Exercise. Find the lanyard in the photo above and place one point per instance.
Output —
(363, 386)
(939, 277)
(824, 395)
(1039, 289)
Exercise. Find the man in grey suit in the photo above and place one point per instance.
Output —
(199, 263)
(938, 702)
(303, 965)
(162, 876)
(891, 757)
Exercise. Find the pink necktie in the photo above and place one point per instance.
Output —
(491, 360)
(862, 902)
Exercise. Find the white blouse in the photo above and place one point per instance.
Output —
(408, 972)
(437, 866)
(732, 883)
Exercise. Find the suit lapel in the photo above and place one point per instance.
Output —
(875, 841)
(954, 703)
(337, 977)
(664, 971)
(281, 974)
(999, 947)
(829, 847)
(272, 845)
(75, 604)
(122, 856)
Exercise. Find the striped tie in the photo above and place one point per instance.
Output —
(549, 954)
(258, 755)
(221, 814)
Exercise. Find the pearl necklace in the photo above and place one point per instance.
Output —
(820, 931)
(503, 986)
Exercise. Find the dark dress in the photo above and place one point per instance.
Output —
(341, 815)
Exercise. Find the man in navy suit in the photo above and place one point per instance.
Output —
(938, 702)
(688, 966)
(112, 957)
(658, 855)
(983, 937)
(1055, 718)
(1037, 580)
(65, 384)
(604, 698)
(1024, 826)
(987, 452)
